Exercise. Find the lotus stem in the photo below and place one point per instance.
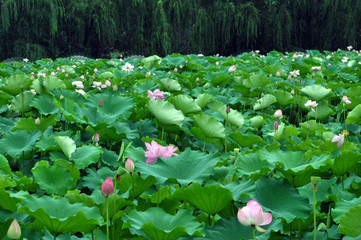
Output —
(115, 205)
(162, 132)
(158, 195)
(344, 117)
(254, 233)
(107, 209)
(314, 214)
(22, 104)
(204, 144)
(225, 135)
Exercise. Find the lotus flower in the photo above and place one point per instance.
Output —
(232, 68)
(155, 150)
(295, 73)
(95, 138)
(253, 215)
(128, 67)
(107, 187)
(129, 165)
(278, 114)
(345, 100)
(157, 94)
(14, 231)
(311, 104)
(340, 139)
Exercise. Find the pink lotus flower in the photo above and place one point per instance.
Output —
(95, 138)
(155, 150)
(129, 165)
(253, 215)
(278, 114)
(232, 68)
(340, 139)
(275, 126)
(311, 104)
(345, 100)
(128, 67)
(157, 94)
(14, 231)
(107, 187)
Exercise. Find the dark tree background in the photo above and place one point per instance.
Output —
(96, 28)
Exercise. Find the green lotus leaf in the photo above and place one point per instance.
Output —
(349, 223)
(165, 112)
(316, 92)
(233, 117)
(106, 75)
(210, 199)
(12, 85)
(251, 165)
(44, 103)
(59, 216)
(354, 116)
(53, 179)
(185, 103)
(66, 144)
(203, 99)
(113, 106)
(241, 189)
(73, 170)
(15, 143)
(5, 169)
(323, 111)
(246, 140)
(257, 81)
(47, 143)
(53, 82)
(231, 229)
(6, 124)
(343, 206)
(345, 162)
(149, 62)
(125, 130)
(156, 224)
(322, 193)
(135, 184)
(211, 127)
(30, 125)
(272, 69)
(283, 98)
(189, 166)
(68, 69)
(10, 200)
(170, 85)
(174, 60)
(85, 155)
(281, 199)
(17, 103)
(266, 101)
(257, 121)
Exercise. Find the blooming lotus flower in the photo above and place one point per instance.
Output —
(318, 68)
(157, 94)
(107, 187)
(81, 91)
(349, 48)
(311, 104)
(128, 67)
(295, 73)
(253, 215)
(155, 150)
(278, 114)
(14, 231)
(232, 68)
(129, 165)
(340, 139)
(345, 100)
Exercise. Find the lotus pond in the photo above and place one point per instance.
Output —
(182, 147)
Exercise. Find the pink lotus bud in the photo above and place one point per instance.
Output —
(292, 92)
(100, 103)
(129, 165)
(175, 69)
(228, 109)
(95, 138)
(21, 86)
(37, 121)
(278, 74)
(115, 87)
(253, 215)
(107, 187)
(308, 126)
(232, 68)
(14, 231)
(278, 114)
(275, 126)
(95, 70)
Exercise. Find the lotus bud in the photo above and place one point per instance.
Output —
(292, 92)
(129, 165)
(236, 150)
(228, 109)
(308, 126)
(95, 138)
(100, 103)
(278, 74)
(107, 187)
(275, 126)
(37, 121)
(115, 87)
(14, 231)
(21, 86)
